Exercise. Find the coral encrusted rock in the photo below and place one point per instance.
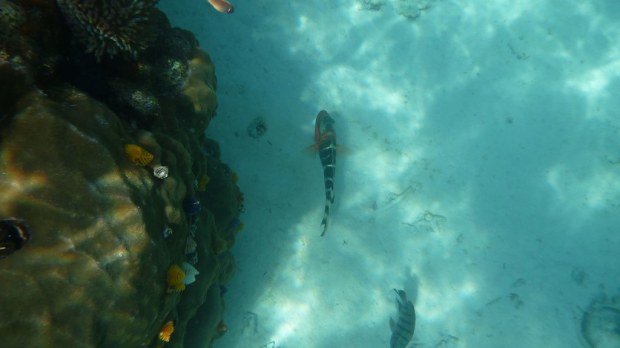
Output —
(107, 182)
(89, 211)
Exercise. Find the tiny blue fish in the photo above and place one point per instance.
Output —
(234, 223)
(191, 206)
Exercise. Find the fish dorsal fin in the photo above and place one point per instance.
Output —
(402, 295)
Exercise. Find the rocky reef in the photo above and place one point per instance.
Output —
(112, 198)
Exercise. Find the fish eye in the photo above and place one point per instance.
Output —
(231, 10)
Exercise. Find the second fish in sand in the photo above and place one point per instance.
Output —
(402, 329)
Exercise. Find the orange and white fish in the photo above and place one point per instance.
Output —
(222, 6)
(325, 144)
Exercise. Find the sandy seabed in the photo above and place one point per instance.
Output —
(482, 169)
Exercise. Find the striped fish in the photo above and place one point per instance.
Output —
(325, 144)
(402, 329)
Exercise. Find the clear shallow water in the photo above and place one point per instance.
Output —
(483, 173)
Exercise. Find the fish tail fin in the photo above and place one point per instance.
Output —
(328, 204)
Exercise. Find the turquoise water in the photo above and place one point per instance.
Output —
(482, 170)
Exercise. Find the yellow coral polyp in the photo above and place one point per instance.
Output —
(234, 177)
(175, 279)
(202, 183)
(138, 155)
(166, 331)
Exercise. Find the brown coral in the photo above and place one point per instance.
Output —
(112, 27)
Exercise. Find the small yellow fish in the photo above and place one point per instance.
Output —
(175, 279)
(166, 331)
(138, 155)
(222, 6)
(202, 182)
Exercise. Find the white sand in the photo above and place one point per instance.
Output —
(483, 175)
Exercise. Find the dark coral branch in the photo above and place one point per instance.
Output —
(111, 27)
